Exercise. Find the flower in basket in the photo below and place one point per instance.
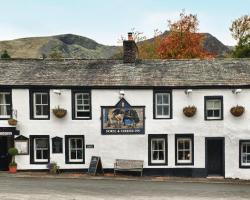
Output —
(237, 110)
(53, 168)
(189, 111)
(59, 112)
(12, 122)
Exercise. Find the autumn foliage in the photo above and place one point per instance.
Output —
(183, 41)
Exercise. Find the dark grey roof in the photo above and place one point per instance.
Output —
(177, 73)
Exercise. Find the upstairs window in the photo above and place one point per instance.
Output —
(213, 108)
(40, 105)
(81, 105)
(162, 105)
(5, 105)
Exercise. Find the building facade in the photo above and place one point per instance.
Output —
(119, 110)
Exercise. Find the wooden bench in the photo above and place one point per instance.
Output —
(128, 165)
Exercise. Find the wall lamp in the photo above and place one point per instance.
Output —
(188, 91)
(236, 91)
(122, 93)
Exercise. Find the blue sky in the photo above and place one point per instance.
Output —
(106, 20)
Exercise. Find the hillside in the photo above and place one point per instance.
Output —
(69, 45)
(211, 44)
(75, 46)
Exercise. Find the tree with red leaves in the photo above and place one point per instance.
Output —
(183, 41)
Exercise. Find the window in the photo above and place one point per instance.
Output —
(74, 147)
(57, 145)
(5, 105)
(81, 102)
(214, 108)
(184, 154)
(39, 105)
(39, 149)
(162, 105)
(245, 154)
(157, 149)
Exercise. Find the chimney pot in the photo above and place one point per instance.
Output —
(130, 36)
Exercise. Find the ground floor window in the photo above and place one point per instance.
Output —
(40, 151)
(74, 148)
(245, 153)
(157, 149)
(184, 153)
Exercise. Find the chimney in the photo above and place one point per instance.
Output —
(130, 50)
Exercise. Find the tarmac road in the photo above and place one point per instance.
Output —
(12, 188)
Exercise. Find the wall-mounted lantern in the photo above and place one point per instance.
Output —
(188, 91)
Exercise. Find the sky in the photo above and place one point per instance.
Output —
(106, 20)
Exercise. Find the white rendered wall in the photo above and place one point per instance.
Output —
(111, 147)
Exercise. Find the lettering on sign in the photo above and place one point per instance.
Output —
(5, 133)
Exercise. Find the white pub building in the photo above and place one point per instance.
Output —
(181, 117)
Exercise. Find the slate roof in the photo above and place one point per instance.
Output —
(100, 73)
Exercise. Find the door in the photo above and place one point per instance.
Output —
(215, 156)
(5, 143)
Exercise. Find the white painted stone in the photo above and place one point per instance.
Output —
(113, 147)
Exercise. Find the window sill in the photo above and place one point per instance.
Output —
(87, 118)
(40, 118)
(70, 162)
(213, 119)
(157, 164)
(183, 163)
(161, 118)
(39, 162)
(244, 166)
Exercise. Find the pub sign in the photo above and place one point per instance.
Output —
(123, 119)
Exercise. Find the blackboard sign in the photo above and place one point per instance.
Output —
(57, 145)
(95, 166)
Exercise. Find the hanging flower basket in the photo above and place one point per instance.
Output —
(237, 110)
(12, 122)
(189, 111)
(59, 112)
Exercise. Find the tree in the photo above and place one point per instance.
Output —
(148, 48)
(240, 30)
(5, 55)
(183, 41)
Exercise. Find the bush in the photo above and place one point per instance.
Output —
(13, 151)
(5, 55)
(53, 168)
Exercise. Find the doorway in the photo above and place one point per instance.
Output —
(5, 143)
(215, 164)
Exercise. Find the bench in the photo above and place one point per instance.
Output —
(128, 165)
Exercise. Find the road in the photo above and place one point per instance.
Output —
(12, 188)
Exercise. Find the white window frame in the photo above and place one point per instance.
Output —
(75, 149)
(42, 149)
(83, 104)
(41, 104)
(5, 104)
(157, 94)
(163, 150)
(190, 150)
(213, 108)
(248, 153)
